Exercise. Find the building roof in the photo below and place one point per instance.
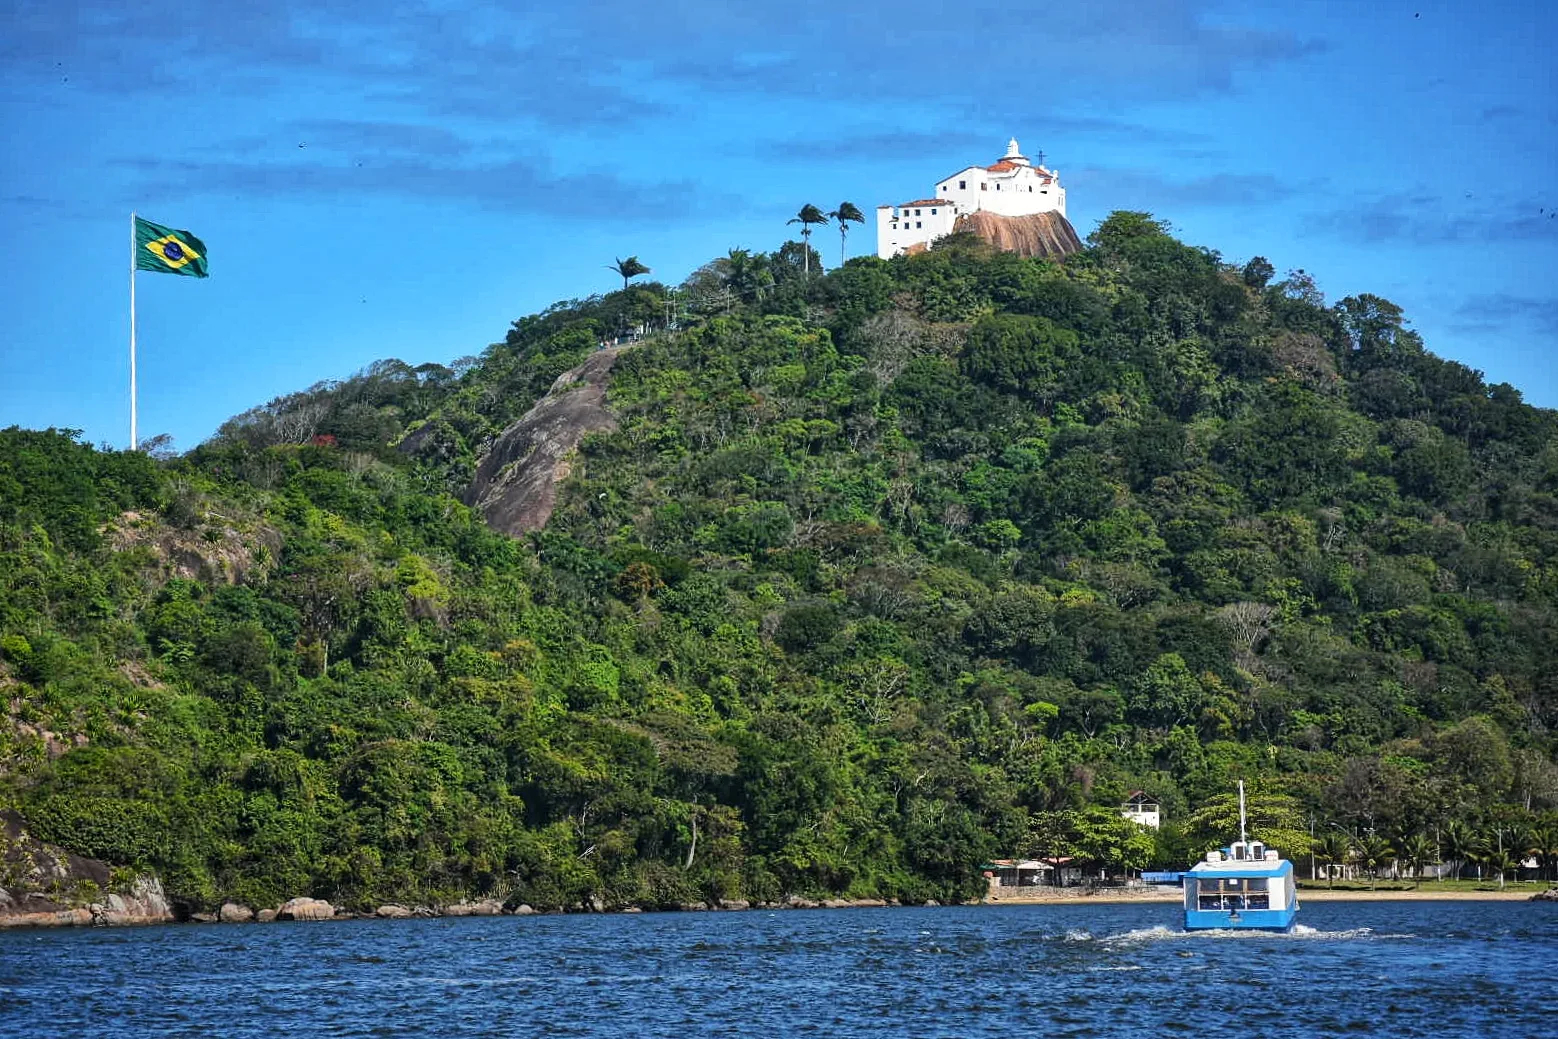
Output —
(927, 202)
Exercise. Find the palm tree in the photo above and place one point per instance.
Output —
(1373, 851)
(1459, 844)
(1334, 848)
(628, 268)
(1547, 847)
(1480, 851)
(1520, 840)
(1417, 849)
(1502, 861)
(745, 275)
(808, 215)
(846, 212)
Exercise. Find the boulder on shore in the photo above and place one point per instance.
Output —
(233, 913)
(305, 909)
(1550, 895)
(523, 910)
(392, 911)
(265, 916)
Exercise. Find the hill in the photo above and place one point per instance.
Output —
(852, 582)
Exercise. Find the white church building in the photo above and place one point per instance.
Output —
(1011, 187)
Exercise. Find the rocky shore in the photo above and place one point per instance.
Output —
(314, 910)
(45, 886)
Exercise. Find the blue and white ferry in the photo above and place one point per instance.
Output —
(1243, 887)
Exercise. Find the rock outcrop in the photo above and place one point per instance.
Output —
(45, 886)
(305, 909)
(1038, 234)
(515, 487)
(233, 913)
(1550, 895)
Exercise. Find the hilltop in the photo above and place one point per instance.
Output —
(849, 582)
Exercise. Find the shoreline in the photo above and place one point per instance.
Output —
(76, 918)
(1082, 896)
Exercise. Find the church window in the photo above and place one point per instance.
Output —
(962, 185)
(984, 187)
(916, 223)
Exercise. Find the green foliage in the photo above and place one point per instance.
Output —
(885, 572)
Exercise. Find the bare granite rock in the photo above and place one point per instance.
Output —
(45, 886)
(515, 487)
(265, 916)
(305, 909)
(1037, 234)
(233, 913)
(392, 912)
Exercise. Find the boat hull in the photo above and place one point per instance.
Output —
(1246, 920)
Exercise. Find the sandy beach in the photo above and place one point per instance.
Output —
(1426, 893)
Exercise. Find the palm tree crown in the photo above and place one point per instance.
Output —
(808, 215)
(628, 268)
(843, 215)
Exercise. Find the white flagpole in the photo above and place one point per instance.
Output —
(133, 442)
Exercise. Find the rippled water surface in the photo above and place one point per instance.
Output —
(1392, 968)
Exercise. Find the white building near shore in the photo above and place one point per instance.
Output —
(1012, 186)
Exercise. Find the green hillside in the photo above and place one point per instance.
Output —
(885, 572)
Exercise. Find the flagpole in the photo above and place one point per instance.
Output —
(133, 442)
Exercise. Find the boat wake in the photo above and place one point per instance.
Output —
(1299, 932)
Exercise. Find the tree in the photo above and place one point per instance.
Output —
(844, 214)
(1417, 850)
(808, 215)
(1373, 851)
(628, 268)
(1501, 861)
(746, 274)
(1258, 272)
(1546, 841)
(1333, 848)
(1274, 819)
(1459, 846)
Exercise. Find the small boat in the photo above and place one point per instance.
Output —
(1246, 886)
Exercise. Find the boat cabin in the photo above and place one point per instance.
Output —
(1246, 885)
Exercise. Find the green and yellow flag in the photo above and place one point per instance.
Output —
(167, 251)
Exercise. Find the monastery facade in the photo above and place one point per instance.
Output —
(1011, 187)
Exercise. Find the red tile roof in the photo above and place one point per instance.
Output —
(927, 202)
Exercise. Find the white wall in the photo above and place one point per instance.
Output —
(898, 227)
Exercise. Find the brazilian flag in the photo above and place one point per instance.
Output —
(167, 251)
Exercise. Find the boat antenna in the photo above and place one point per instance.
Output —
(1242, 839)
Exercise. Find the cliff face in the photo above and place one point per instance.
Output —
(515, 487)
(1039, 234)
(45, 886)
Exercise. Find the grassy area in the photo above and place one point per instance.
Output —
(1467, 884)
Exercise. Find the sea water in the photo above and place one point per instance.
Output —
(1389, 968)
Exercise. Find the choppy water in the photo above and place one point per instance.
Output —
(1398, 969)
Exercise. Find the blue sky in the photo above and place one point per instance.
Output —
(404, 179)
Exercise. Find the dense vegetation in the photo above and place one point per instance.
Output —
(888, 570)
